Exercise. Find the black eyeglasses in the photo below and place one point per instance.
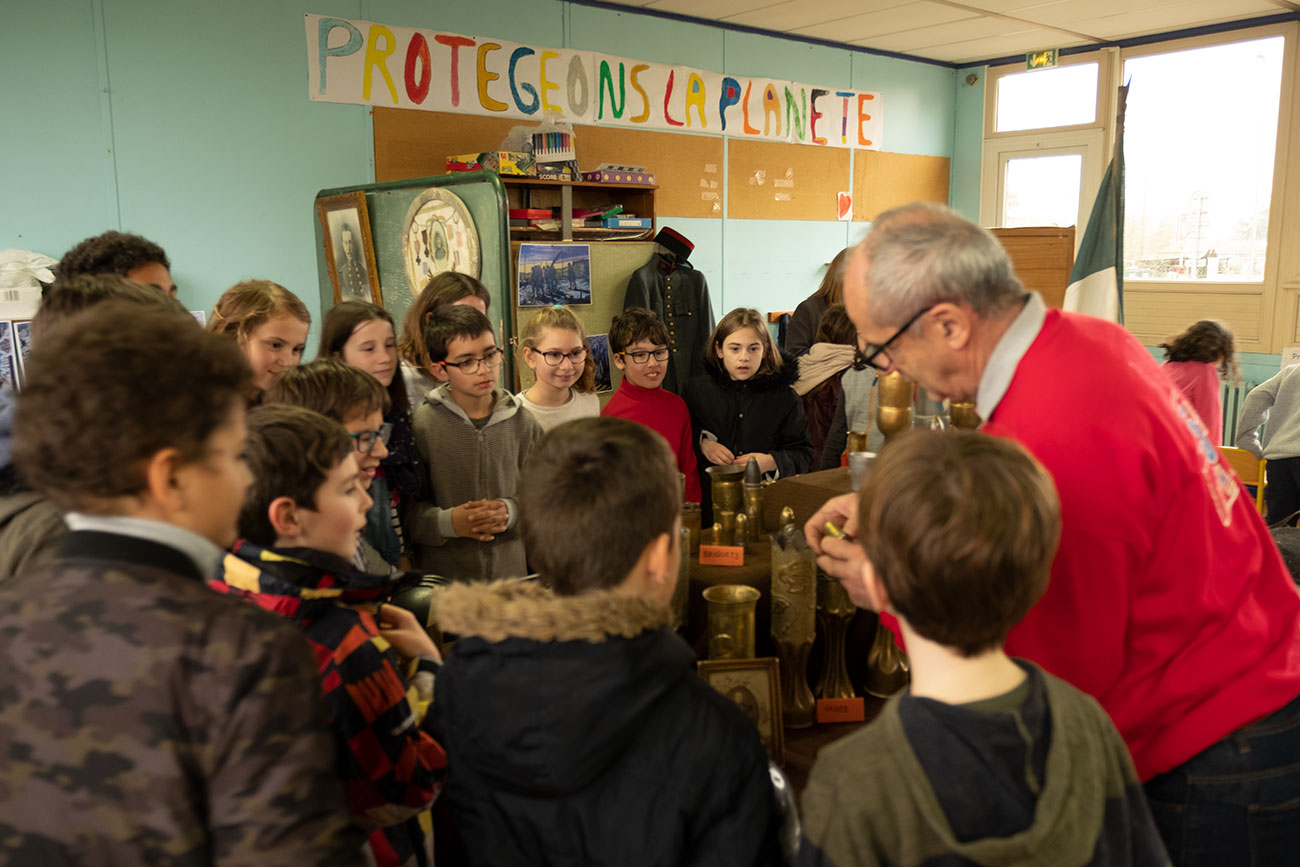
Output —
(555, 356)
(870, 355)
(642, 356)
(490, 359)
(366, 439)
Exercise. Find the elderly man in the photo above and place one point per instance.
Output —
(1168, 601)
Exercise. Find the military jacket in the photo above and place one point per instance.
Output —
(679, 295)
(145, 719)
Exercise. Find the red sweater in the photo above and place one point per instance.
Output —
(1168, 601)
(1199, 383)
(664, 413)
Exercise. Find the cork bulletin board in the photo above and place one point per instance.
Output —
(773, 181)
(687, 168)
(883, 180)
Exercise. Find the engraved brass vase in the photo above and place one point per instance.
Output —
(794, 612)
(731, 620)
(887, 669)
(894, 413)
(725, 480)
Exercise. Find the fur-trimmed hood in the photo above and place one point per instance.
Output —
(505, 609)
(760, 382)
(540, 693)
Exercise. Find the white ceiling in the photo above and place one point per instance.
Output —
(969, 31)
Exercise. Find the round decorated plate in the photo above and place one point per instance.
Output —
(439, 236)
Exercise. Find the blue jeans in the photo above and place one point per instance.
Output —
(1238, 802)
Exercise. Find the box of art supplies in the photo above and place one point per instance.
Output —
(513, 163)
(626, 223)
(608, 173)
(557, 172)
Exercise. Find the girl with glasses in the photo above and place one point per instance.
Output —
(554, 346)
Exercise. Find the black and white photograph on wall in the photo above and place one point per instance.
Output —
(349, 250)
(599, 349)
(554, 274)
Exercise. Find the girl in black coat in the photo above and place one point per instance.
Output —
(744, 406)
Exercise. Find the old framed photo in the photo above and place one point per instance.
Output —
(754, 685)
(349, 250)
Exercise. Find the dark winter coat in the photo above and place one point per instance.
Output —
(801, 333)
(679, 295)
(761, 414)
(578, 733)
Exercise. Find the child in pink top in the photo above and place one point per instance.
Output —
(1195, 360)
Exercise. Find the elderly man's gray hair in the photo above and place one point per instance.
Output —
(921, 254)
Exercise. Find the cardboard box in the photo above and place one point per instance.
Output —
(514, 163)
(626, 222)
(601, 176)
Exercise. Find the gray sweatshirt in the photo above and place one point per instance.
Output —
(1277, 402)
(465, 462)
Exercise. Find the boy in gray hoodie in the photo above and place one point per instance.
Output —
(473, 437)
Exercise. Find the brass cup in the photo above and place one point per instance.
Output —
(895, 390)
(857, 441)
(962, 415)
(893, 420)
(731, 620)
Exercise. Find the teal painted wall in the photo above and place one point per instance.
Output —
(968, 142)
(190, 124)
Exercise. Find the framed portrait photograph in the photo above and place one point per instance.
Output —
(754, 685)
(349, 250)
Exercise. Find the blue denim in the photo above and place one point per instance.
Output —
(1238, 802)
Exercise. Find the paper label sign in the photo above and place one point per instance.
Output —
(1290, 356)
(841, 710)
(722, 555)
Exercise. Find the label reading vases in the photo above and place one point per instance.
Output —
(722, 555)
(841, 710)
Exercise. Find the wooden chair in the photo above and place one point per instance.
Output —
(1249, 469)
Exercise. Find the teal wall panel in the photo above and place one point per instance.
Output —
(56, 170)
(772, 265)
(918, 103)
(753, 54)
(968, 142)
(641, 37)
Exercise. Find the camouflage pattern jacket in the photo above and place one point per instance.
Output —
(145, 719)
(391, 767)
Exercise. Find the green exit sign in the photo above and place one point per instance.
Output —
(1041, 59)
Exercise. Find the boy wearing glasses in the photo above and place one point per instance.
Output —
(358, 401)
(473, 437)
(298, 530)
(638, 341)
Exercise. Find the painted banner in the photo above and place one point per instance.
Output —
(364, 63)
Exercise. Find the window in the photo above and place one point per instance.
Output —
(1199, 139)
(1042, 191)
(1064, 96)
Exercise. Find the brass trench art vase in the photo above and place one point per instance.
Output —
(834, 610)
(895, 413)
(794, 612)
(731, 620)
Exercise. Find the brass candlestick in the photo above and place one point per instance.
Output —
(834, 610)
(794, 607)
(731, 621)
(894, 414)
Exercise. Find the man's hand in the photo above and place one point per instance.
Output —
(479, 519)
(400, 628)
(841, 558)
(716, 452)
